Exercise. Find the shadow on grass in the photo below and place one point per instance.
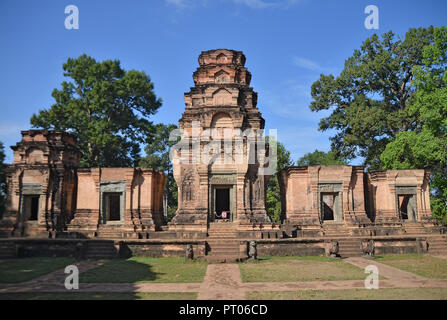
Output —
(120, 271)
(98, 283)
(286, 258)
(99, 296)
(26, 269)
(146, 269)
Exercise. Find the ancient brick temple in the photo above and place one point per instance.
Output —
(222, 166)
(221, 127)
(48, 194)
(345, 201)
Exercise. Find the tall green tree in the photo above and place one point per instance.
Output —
(273, 196)
(107, 107)
(157, 157)
(320, 158)
(426, 145)
(371, 96)
(2, 179)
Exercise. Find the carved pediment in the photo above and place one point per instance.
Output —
(221, 77)
(222, 97)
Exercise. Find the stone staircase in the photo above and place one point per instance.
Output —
(8, 250)
(350, 247)
(101, 249)
(335, 230)
(113, 232)
(223, 244)
(414, 228)
(438, 245)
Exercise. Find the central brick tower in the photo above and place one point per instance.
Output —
(219, 166)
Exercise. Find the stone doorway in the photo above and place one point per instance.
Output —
(407, 207)
(112, 206)
(330, 206)
(31, 206)
(222, 204)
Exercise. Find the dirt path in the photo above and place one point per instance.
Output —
(341, 285)
(440, 256)
(386, 271)
(58, 276)
(222, 281)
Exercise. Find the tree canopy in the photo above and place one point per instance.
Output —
(157, 157)
(426, 145)
(370, 98)
(273, 196)
(320, 158)
(2, 179)
(107, 107)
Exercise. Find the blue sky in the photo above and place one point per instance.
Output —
(288, 43)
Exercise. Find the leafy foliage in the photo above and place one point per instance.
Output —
(370, 98)
(426, 145)
(2, 179)
(157, 157)
(273, 197)
(106, 107)
(320, 158)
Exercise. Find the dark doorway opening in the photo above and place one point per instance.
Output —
(407, 208)
(32, 207)
(328, 206)
(113, 206)
(222, 202)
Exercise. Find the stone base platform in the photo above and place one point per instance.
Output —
(219, 250)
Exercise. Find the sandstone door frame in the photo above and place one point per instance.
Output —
(30, 190)
(335, 188)
(407, 190)
(115, 187)
(212, 202)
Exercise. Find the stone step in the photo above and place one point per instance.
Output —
(8, 252)
(224, 259)
(100, 256)
(214, 240)
(222, 236)
(436, 244)
(232, 233)
(223, 253)
(224, 249)
(101, 250)
(350, 248)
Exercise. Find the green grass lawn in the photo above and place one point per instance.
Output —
(284, 269)
(20, 270)
(423, 265)
(145, 269)
(100, 296)
(354, 294)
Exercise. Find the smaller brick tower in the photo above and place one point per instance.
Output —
(41, 184)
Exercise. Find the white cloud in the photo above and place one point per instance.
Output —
(306, 64)
(183, 4)
(262, 4)
(254, 4)
(311, 65)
